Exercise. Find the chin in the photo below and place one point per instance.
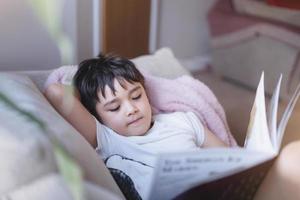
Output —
(139, 132)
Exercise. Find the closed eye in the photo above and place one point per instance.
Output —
(114, 109)
(137, 97)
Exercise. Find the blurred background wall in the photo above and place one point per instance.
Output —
(25, 43)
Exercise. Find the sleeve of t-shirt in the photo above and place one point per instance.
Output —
(197, 127)
(98, 134)
(103, 140)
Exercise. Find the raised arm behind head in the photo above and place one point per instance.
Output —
(99, 81)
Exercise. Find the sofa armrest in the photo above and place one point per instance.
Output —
(37, 76)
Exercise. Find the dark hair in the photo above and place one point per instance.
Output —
(95, 73)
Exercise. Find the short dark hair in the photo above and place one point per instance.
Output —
(95, 73)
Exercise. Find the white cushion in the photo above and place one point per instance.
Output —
(162, 63)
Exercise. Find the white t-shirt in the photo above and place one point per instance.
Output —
(135, 155)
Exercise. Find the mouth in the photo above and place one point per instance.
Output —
(135, 121)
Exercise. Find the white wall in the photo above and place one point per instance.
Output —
(25, 43)
(182, 25)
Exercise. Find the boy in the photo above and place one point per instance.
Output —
(114, 115)
(120, 89)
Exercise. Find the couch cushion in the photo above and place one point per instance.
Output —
(47, 187)
(24, 146)
(37, 76)
(52, 187)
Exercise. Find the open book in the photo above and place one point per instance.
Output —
(216, 170)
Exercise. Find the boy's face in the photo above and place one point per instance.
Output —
(128, 112)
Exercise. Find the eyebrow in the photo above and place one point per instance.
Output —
(134, 89)
(116, 99)
(110, 102)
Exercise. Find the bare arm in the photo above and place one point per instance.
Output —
(68, 105)
(211, 140)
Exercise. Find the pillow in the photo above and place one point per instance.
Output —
(162, 63)
(25, 151)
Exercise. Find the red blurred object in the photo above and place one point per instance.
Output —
(292, 4)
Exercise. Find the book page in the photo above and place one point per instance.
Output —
(258, 137)
(272, 114)
(178, 172)
(286, 115)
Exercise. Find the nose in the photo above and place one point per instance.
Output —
(131, 108)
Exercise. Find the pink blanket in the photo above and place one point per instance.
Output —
(168, 95)
(188, 94)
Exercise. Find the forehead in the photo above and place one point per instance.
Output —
(120, 87)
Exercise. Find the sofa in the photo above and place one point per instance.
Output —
(29, 169)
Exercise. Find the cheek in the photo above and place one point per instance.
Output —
(114, 124)
(105, 116)
(147, 103)
(110, 119)
(146, 107)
